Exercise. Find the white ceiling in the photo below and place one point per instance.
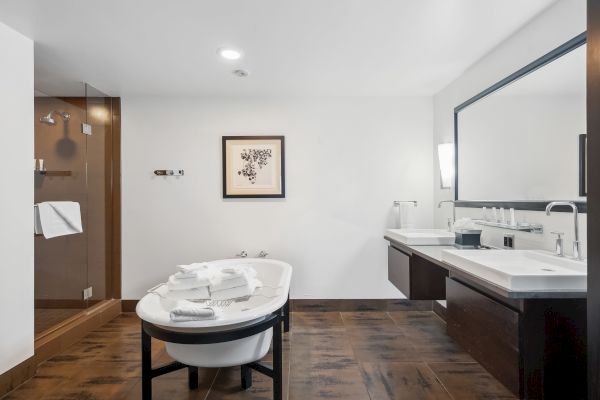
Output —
(302, 47)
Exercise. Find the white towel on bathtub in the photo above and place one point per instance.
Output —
(236, 292)
(200, 293)
(176, 284)
(192, 268)
(233, 277)
(188, 311)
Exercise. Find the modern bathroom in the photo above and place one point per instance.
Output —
(376, 200)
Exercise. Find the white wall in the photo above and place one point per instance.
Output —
(347, 159)
(16, 202)
(559, 23)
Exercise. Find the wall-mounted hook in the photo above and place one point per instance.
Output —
(243, 254)
(263, 254)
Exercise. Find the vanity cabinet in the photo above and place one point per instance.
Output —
(536, 347)
(416, 277)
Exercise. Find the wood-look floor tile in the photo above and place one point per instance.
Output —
(174, 386)
(325, 357)
(402, 381)
(382, 344)
(470, 381)
(415, 317)
(327, 380)
(366, 318)
(318, 320)
(322, 345)
(227, 386)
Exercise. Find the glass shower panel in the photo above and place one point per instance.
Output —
(61, 271)
(99, 200)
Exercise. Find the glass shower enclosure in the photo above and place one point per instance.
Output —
(73, 150)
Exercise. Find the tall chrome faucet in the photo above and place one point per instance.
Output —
(450, 222)
(576, 243)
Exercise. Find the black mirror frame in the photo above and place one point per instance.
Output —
(533, 205)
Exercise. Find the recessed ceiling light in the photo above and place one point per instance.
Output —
(229, 53)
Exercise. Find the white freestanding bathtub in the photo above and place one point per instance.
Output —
(275, 277)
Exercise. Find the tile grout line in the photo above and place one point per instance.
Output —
(439, 380)
(212, 384)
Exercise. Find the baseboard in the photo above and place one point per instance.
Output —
(439, 310)
(17, 375)
(129, 305)
(57, 339)
(304, 305)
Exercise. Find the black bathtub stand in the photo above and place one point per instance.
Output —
(276, 320)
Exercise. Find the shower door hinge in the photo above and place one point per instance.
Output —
(86, 129)
(87, 293)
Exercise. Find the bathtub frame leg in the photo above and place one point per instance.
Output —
(193, 378)
(277, 361)
(246, 376)
(286, 315)
(146, 365)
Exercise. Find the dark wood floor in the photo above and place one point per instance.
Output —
(327, 355)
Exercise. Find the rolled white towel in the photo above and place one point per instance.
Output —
(188, 311)
(236, 292)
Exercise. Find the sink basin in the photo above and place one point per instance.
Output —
(421, 237)
(521, 270)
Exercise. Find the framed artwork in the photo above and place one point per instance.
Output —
(253, 167)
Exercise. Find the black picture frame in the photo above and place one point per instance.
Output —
(531, 205)
(279, 138)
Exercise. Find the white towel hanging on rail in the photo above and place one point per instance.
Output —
(58, 218)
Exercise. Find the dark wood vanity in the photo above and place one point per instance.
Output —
(532, 342)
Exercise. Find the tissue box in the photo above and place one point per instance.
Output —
(468, 237)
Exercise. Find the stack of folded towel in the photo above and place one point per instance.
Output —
(191, 282)
(200, 282)
(234, 282)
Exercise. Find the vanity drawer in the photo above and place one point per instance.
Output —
(487, 330)
(416, 277)
(399, 270)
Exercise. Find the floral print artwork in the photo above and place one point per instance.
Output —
(254, 160)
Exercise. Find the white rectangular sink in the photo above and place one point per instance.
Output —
(521, 270)
(421, 237)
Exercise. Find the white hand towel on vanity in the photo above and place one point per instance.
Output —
(58, 218)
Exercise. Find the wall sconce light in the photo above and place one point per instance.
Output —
(446, 158)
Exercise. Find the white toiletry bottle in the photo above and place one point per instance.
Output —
(495, 214)
(502, 216)
(513, 221)
(485, 217)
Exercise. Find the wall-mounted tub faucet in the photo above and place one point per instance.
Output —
(576, 243)
(243, 254)
(450, 222)
(263, 254)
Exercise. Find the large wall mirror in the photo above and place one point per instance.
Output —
(520, 140)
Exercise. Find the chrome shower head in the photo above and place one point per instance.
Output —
(49, 119)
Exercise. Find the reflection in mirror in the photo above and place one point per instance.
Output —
(522, 141)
